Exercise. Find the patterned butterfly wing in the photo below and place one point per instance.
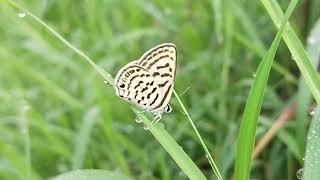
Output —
(161, 62)
(136, 85)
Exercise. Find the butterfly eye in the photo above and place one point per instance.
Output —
(121, 86)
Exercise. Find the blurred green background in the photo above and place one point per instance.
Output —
(56, 114)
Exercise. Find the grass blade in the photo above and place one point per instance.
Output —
(304, 95)
(91, 174)
(252, 110)
(83, 137)
(296, 48)
(312, 158)
(175, 151)
(208, 155)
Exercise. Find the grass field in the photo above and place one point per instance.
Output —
(58, 115)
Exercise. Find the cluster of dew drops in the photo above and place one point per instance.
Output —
(139, 120)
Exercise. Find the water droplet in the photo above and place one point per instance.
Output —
(309, 137)
(106, 82)
(293, 57)
(138, 119)
(146, 128)
(21, 15)
(24, 130)
(254, 75)
(312, 113)
(303, 159)
(312, 40)
(299, 173)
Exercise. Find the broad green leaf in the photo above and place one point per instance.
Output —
(249, 122)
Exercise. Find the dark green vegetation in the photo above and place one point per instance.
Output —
(56, 114)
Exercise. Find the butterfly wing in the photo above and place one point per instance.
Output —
(161, 62)
(136, 85)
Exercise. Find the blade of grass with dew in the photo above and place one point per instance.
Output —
(249, 121)
(312, 158)
(208, 155)
(91, 174)
(300, 56)
(304, 96)
(24, 126)
(175, 151)
(164, 138)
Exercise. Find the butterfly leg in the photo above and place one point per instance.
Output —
(157, 118)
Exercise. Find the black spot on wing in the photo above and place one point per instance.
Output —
(155, 74)
(163, 84)
(153, 90)
(132, 80)
(154, 100)
(155, 61)
(166, 75)
(144, 89)
(164, 66)
(164, 97)
(140, 82)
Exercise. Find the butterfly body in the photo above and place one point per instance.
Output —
(149, 81)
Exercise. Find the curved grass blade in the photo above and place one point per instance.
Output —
(300, 56)
(208, 155)
(252, 110)
(164, 138)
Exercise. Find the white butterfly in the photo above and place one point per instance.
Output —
(148, 82)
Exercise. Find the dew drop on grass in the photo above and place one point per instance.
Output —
(312, 113)
(138, 119)
(299, 173)
(293, 57)
(21, 15)
(254, 75)
(145, 128)
(312, 40)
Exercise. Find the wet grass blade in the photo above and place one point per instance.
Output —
(249, 122)
(300, 56)
(312, 158)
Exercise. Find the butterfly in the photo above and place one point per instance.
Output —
(148, 82)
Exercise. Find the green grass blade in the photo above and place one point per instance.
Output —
(208, 155)
(304, 95)
(296, 48)
(164, 138)
(93, 174)
(175, 151)
(249, 122)
(82, 138)
(312, 158)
